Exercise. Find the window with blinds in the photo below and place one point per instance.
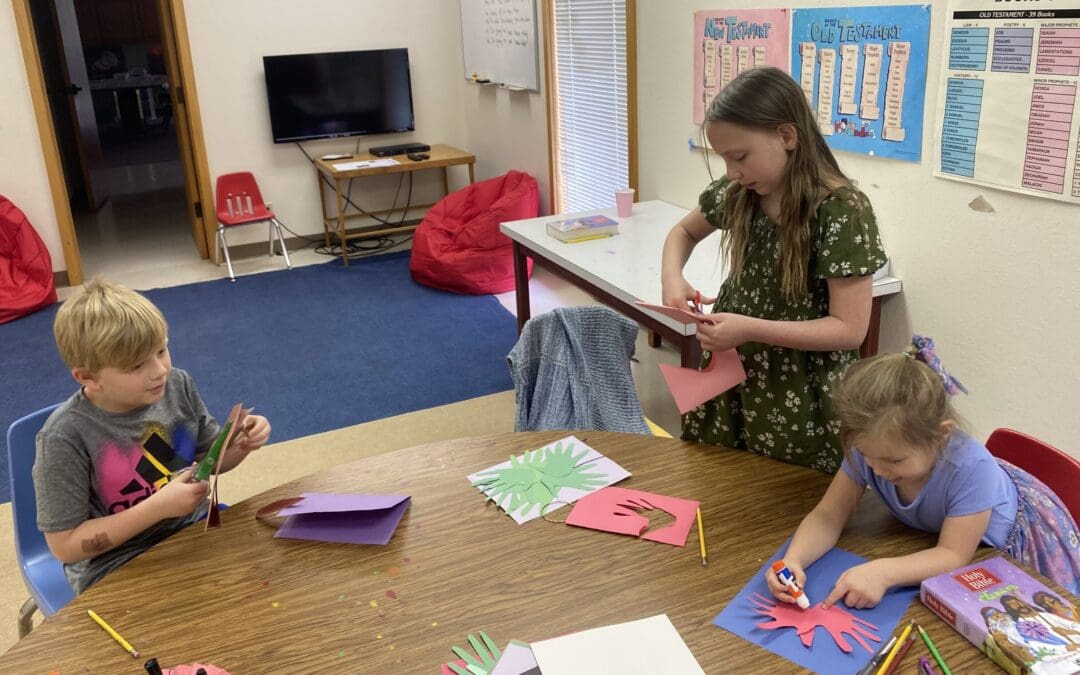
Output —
(590, 96)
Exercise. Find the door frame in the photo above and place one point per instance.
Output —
(178, 50)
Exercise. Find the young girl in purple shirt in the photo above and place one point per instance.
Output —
(900, 437)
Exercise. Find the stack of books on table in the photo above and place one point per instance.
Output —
(1020, 623)
(582, 228)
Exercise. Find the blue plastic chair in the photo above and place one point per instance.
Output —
(42, 573)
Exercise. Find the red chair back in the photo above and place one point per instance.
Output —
(239, 200)
(1060, 471)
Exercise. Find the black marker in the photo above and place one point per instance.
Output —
(152, 667)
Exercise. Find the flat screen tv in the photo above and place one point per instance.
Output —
(336, 94)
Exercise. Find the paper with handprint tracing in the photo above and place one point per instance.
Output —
(561, 472)
(640, 514)
(771, 625)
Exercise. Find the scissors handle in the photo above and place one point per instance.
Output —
(697, 301)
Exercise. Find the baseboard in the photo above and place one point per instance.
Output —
(294, 242)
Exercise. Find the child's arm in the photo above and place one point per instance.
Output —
(850, 299)
(864, 585)
(253, 436)
(678, 246)
(95, 536)
(818, 531)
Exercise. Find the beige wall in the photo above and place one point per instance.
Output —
(23, 179)
(998, 292)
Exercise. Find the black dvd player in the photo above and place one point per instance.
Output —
(401, 149)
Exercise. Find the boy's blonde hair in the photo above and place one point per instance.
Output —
(892, 396)
(108, 325)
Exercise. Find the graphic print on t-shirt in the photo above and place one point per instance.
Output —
(128, 473)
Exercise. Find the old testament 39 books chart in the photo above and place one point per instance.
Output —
(1007, 111)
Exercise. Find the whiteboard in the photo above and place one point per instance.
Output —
(498, 39)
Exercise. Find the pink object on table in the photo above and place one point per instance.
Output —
(192, 668)
(683, 316)
(615, 509)
(836, 621)
(624, 203)
(691, 387)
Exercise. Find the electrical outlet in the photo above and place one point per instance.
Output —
(269, 206)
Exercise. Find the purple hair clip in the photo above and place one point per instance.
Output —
(922, 348)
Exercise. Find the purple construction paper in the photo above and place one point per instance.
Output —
(325, 502)
(372, 520)
(824, 656)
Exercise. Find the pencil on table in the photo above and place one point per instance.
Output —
(896, 648)
(701, 539)
(116, 636)
(934, 651)
(900, 654)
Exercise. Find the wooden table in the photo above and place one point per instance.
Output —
(621, 270)
(332, 179)
(242, 600)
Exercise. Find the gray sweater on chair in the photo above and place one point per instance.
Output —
(571, 370)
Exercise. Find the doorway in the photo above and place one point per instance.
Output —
(113, 75)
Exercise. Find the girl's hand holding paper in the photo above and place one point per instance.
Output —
(723, 331)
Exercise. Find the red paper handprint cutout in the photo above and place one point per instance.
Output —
(835, 620)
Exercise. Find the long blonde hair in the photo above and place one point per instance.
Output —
(765, 98)
(892, 396)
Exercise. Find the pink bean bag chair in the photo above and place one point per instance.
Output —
(26, 274)
(458, 246)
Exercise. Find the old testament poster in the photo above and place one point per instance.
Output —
(863, 70)
(728, 42)
(1007, 109)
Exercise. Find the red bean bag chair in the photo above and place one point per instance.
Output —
(458, 247)
(26, 275)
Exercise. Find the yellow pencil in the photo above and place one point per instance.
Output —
(896, 648)
(116, 636)
(701, 539)
(588, 238)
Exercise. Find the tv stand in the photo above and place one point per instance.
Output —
(400, 149)
(336, 175)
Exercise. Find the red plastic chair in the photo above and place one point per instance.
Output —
(239, 202)
(1060, 471)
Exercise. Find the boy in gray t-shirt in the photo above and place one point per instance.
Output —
(109, 478)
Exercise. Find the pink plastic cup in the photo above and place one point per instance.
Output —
(624, 202)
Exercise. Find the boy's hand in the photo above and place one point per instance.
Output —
(860, 586)
(253, 436)
(779, 590)
(178, 497)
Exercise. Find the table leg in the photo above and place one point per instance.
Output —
(472, 175)
(341, 222)
(445, 181)
(521, 285)
(654, 339)
(869, 346)
(322, 203)
(690, 352)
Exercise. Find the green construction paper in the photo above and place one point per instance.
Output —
(206, 466)
(486, 655)
(534, 478)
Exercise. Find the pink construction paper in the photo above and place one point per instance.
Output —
(444, 668)
(192, 668)
(835, 620)
(691, 387)
(612, 509)
(684, 316)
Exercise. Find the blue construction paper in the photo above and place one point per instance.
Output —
(824, 656)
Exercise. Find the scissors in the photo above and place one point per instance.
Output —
(697, 302)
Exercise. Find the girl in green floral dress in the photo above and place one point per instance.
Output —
(801, 245)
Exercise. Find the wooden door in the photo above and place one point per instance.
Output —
(77, 85)
(196, 188)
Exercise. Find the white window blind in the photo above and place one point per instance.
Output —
(591, 100)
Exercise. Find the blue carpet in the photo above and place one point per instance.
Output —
(313, 349)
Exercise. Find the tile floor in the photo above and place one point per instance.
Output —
(141, 238)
